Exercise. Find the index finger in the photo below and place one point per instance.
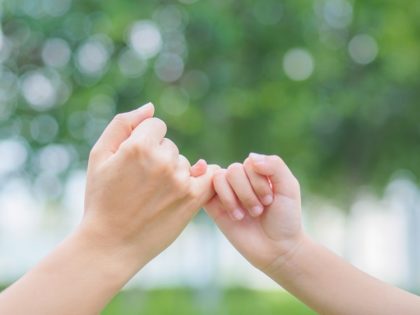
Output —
(281, 178)
(121, 128)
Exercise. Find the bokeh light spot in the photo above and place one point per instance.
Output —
(92, 57)
(174, 101)
(5, 47)
(56, 52)
(169, 67)
(131, 64)
(363, 49)
(13, 154)
(38, 90)
(338, 13)
(54, 159)
(298, 64)
(56, 7)
(145, 39)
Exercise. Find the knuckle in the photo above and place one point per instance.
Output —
(94, 152)
(219, 176)
(160, 123)
(295, 183)
(162, 165)
(174, 147)
(230, 205)
(233, 169)
(163, 168)
(234, 166)
(191, 194)
(247, 164)
(219, 172)
(214, 168)
(277, 160)
(183, 160)
(121, 118)
(131, 150)
(181, 184)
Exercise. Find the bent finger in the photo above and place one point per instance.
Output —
(202, 186)
(169, 149)
(227, 196)
(282, 179)
(260, 184)
(198, 168)
(120, 129)
(239, 181)
(149, 133)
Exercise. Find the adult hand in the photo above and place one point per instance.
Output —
(140, 195)
(140, 192)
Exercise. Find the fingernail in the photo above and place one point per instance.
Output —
(238, 215)
(256, 211)
(257, 158)
(267, 200)
(145, 106)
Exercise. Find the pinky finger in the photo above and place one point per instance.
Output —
(199, 168)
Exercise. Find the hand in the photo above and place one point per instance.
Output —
(140, 193)
(263, 236)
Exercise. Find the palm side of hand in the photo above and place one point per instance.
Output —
(263, 239)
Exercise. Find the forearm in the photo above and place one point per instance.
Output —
(79, 277)
(331, 286)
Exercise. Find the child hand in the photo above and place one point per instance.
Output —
(264, 236)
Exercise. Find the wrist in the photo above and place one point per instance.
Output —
(119, 259)
(288, 259)
(80, 276)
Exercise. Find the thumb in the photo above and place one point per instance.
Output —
(202, 186)
(120, 128)
(281, 178)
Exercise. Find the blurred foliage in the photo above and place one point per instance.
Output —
(222, 82)
(187, 302)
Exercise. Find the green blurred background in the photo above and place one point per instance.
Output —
(333, 86)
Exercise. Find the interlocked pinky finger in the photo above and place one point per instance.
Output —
(199, 168)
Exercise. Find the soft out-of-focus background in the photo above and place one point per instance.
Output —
(333, 86)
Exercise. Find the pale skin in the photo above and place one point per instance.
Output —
(140, 195)
(274, 242)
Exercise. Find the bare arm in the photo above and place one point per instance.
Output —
(275, 242)
(79, 277)
(140, 195)
(331, 286)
